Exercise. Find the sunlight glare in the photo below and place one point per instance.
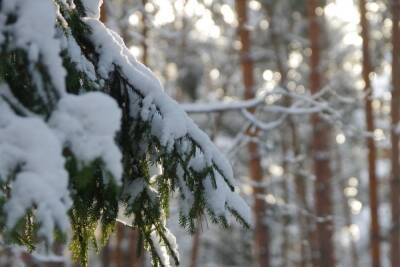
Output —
(165, 13)
(353, 181)
(268, 75)
(340, 139)
(214, 74)
(254, 5)
(135, 51)
(354, 231)
(228, 14)
(355, 206)
(343, 10)
(276, 170)
(134, 19)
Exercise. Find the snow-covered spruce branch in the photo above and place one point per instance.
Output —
(82, 126)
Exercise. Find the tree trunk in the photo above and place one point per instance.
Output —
(103, 12)
(320, 149)
(395, 179)
(195, 248)
(373, 183)
(117, 257)
(145, 30)
(261, 245)
(135, 260)
(286, 216)
(307, 226)
(346, 209)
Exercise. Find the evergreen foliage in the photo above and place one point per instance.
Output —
(153, 132)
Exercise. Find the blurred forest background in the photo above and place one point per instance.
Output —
(303, 96)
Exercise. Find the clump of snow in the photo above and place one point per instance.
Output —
(221, 198)
(172, 242)
(87, 124)
(187, 200)
(24, 144)
(34, 31)
(92, 8)
(75, 53)
(160, 249)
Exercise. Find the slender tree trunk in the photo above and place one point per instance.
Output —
(285, 218)
(195, 248)
(103, 12)
(308, 235)
(261, 245)
(105, 256)
(346, 209)
(145, 29)
(320, 149)
(373, 183)
(117, 255)
(306, 226)
(135, 260)
(395, 179)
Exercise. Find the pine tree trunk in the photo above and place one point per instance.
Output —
(307, 236)
(285, 247)
(195, 248)
(261, 245)
(135, 260)
(117, 256)
(346, 209)
(105, 256)
(373, 183)
(145, 30)
(395, 179)
(320, 149)
(307, 225)
(103, 12)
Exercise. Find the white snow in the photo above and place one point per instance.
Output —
(24, 144)
(92, 8)
(35, 32)
(220, 198)
(87, 124)
(160, 249)
(76, 56)
(172, 242)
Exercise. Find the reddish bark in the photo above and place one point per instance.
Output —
(261, 240)
(195, 249)
(395, 114)
(373, 183)
(320, 148)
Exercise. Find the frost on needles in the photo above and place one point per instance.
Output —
(82, 125)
